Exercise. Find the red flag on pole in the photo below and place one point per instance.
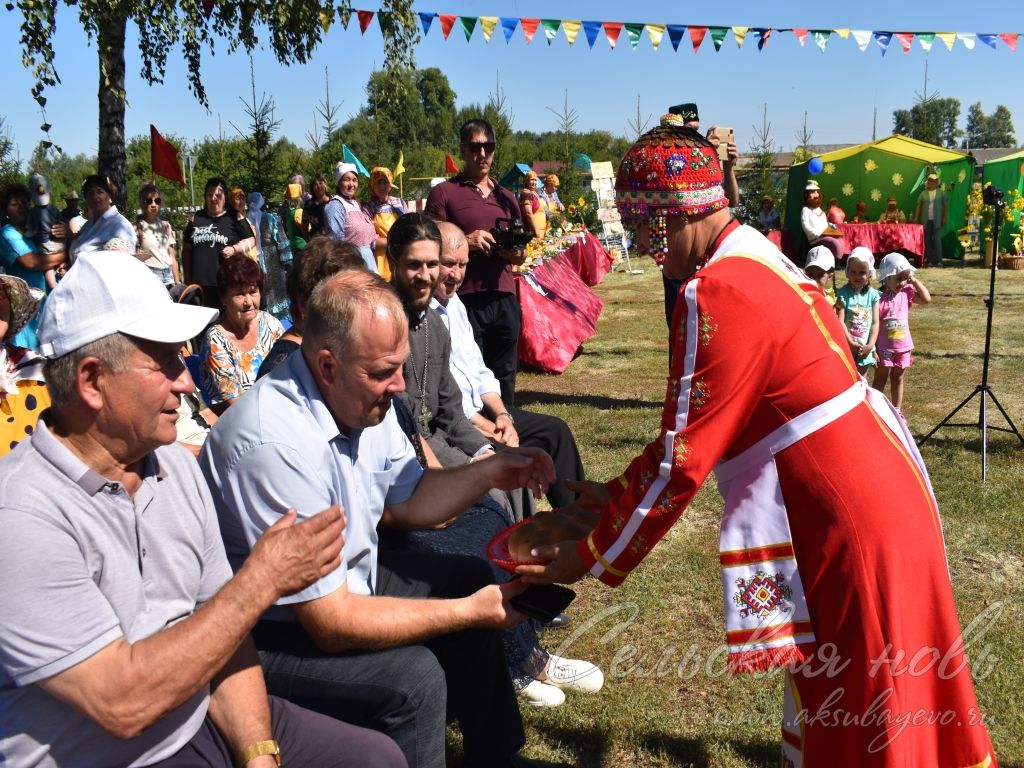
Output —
(449, 164)
(164, 157)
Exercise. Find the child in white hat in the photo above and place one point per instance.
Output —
(900, 289)
(821, 268)
(857, 306)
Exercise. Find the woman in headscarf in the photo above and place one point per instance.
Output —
(384, 209)
(344, 218)
(535, 220)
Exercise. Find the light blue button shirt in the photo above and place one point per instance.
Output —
(279, 447)
(466, 362)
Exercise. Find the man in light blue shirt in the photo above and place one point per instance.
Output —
(391, 640)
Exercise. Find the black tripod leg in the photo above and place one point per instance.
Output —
(950, 415)
(1013, 427)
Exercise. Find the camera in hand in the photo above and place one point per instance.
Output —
(992, 195)
(510, 234)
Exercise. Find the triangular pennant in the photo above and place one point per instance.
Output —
(590, 29)
(208, 8)
(571, 28)
(821, 38)
(906, 40)
(449, 164)
(740, 33)
(843, 33)
(989, 40)
(801, 35)
(163, 157)
(326, 19)
(384, 21)
(487, 25)
(529, 28)
(550, 28)
(508, 26)
(675, 34)
(863, 37)
(365, 17)
(447, 22)
(697, 36)
(1010, 38)
(426, 19)
(883, 39)
(967, 38)
(634, 31)
(400, 165)
(762, 37)
(350, 157)
(718, 36)
(948, 38)
(468, 25)
(655, 32)
(612, 30)
(926, 39)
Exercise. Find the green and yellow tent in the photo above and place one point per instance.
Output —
(1007, 173)
(896, 165)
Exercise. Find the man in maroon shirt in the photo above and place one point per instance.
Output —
(473, 201)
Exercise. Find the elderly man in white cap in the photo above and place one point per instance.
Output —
(344, 217)
(124, 638)
(763, 390)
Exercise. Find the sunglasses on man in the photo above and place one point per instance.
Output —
(151, 200)
(475, 146)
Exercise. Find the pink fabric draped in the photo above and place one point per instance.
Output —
(883, 238)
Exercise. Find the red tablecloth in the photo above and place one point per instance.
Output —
(559, 317)
(883, 238)
(590, 259)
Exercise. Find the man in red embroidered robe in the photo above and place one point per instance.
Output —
(816, 563)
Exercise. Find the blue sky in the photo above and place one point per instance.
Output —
(839, 89)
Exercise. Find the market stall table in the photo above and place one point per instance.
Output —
(560, 312)
(884, 238)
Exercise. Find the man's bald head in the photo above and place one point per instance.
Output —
(454, 258)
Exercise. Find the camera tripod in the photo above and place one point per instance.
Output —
(983, 390)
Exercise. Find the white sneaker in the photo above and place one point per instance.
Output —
(540, 694)
(573, 675)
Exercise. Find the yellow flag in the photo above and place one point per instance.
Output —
(948, 38)
(326, 17)
(487, 24)
(400, 165)
(655, 32)
(740, 33)
(571, 28)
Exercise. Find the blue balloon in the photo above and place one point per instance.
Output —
(815, 165)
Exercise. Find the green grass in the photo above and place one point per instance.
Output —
(661, 707)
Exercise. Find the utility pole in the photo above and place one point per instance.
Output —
(874, 123)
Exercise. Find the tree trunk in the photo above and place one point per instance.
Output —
(111, 148)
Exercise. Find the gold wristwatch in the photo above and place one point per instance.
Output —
(260, 748)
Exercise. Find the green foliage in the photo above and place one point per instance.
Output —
(760, 177)
(64, 172)
(10, 165)
(932, 119)
(995, 130)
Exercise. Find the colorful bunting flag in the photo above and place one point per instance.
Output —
(740, 34)
(163, 157)
(449, 164)
(345, 14)
(655, 32)
(697, 36)
(801, 35)
(821, 38)
(468, 25)
(967, 38)
(906, 40)
(590, 29)
(762, 36)
(447, 22)
(326, 18)
(508, 26)
(350, 157)
(426, 19)
(633, 31)
(612, 30)
(863, 37)
(365, 17)
(487, 25)
(926, 39)
(718, 36)
(675, 34)
(571, 28)
(989, 40)
(551, 28)
(529, 28)
(1010, 38)
(208, 8)
(948, 38)
(843, 33)
(883, 39)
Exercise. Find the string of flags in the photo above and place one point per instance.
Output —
(677, 33)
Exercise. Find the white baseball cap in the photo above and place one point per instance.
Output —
(820, 256)
(893, 264)
(108, 292)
